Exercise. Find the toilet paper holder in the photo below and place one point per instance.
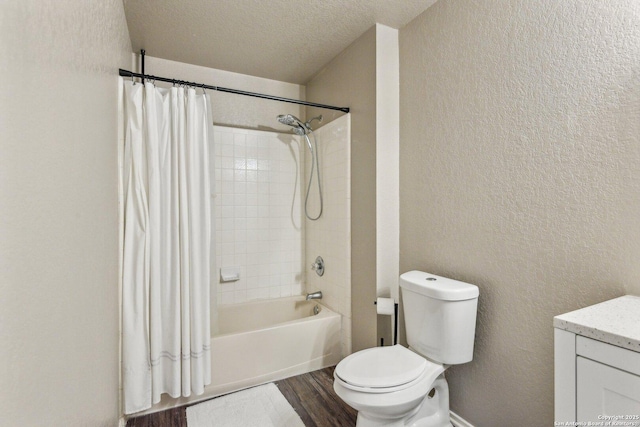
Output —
(395, 323)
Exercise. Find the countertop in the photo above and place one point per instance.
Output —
(615, 322)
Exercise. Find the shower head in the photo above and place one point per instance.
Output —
(304, 129)
(288, 119)
(299, 128)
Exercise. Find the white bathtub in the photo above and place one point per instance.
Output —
(264, 341)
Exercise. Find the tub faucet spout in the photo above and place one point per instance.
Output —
(315, 295)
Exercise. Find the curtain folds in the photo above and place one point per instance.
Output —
(167, 246)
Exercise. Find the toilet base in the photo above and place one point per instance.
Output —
(431, 412)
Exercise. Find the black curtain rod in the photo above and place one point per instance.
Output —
(125, 73)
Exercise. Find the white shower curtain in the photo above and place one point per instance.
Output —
(167, 252)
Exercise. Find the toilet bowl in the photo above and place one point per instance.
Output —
(393, 386)
(397, 386)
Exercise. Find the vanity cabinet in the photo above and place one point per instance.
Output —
(597, 364)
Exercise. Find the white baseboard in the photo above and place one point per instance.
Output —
(458, 421)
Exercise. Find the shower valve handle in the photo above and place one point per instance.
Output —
(318, 266)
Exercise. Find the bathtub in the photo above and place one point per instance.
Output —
(263, 341)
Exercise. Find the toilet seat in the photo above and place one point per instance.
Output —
(385, 370)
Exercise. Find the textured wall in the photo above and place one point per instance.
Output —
(520, 172)
(58, 210)
(350, 80)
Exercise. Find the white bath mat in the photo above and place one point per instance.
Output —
(262, 406)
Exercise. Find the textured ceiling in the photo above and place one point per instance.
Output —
(286, 40)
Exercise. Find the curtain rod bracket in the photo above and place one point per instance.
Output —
(142, 52)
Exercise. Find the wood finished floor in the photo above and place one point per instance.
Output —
(311, 395)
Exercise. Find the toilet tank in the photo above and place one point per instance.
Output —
(440, 316)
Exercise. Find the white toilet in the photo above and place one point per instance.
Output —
(396, 386)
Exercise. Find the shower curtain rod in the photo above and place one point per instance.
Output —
(125, 73)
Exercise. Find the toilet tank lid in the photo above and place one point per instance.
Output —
(438, 287)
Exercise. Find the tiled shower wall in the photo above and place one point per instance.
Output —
(260, 225)
(330, 236)
(259, 221)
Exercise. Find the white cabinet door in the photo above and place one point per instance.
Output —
(603, 390)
